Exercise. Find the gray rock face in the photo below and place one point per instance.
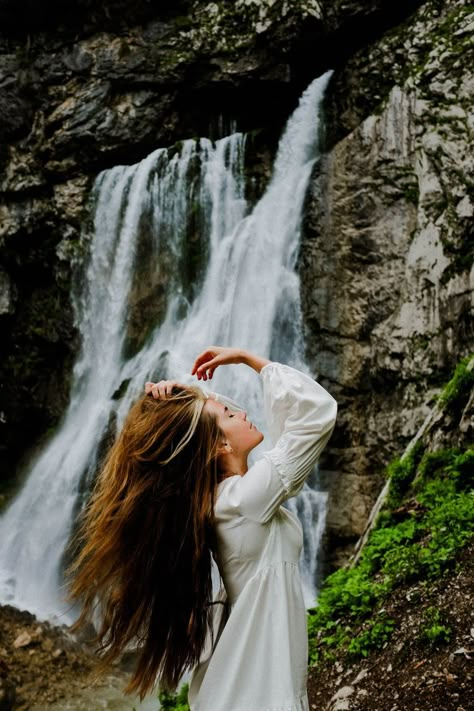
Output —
(388, 251)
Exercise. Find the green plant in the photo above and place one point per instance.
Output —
(373, 636)
(451, 464)
(419, 547)
(174, 702)
(401, 473)
(434, 631)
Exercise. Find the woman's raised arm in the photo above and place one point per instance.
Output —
(300, 415)
(214, 356)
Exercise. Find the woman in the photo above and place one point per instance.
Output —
(175, 488)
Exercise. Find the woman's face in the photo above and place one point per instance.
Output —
(239, 432)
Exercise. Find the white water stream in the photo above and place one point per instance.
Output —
(249, 297)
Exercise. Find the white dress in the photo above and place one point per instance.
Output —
(256, 659)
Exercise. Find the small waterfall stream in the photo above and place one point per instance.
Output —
(245, 294)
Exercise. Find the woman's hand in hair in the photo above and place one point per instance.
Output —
(214, 356)
(163, 389)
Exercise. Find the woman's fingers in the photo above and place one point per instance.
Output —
(161, 390)
(203, 360)
(206, 370)
(214, 356)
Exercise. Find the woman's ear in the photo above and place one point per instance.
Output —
(225, 448)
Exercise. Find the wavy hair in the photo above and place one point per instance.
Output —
(145, 540)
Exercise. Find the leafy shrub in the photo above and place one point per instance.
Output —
(175, 702)
(434, 631)
(374, 635)
(418, 547)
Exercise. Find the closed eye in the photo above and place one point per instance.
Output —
(226, 410)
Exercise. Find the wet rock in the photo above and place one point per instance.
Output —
(70, 198)
(15, 111)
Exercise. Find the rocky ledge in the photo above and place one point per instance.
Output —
(42, 667)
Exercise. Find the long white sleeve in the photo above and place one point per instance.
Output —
(300, 415)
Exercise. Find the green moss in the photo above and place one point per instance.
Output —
(177, 147)
(447, 44)
(183, 22)
(447, 463)
(420, 342)
(455, 393)
(402, 472)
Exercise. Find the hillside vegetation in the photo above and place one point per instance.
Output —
(395, 630)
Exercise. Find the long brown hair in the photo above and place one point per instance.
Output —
(145, 539)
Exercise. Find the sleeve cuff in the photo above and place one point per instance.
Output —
(267, 366)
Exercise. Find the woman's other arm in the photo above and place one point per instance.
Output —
(300, 415)
(214, 356)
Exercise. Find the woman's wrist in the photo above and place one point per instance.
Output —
(254, 361)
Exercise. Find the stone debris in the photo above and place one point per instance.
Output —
(25, 638)
(361, 675)
(340, 701)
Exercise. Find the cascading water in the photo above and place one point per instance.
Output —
(247, 296)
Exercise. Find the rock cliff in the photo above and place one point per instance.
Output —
(387, 250)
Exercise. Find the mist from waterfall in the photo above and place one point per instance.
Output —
(246, 294)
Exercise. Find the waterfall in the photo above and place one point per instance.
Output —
(245, 294)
